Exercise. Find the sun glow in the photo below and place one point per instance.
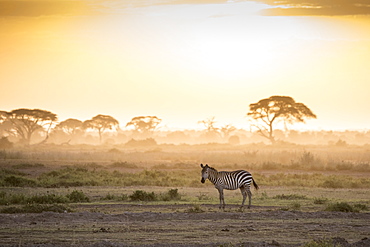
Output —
(184, 63)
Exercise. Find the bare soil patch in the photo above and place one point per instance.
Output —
(179, 225)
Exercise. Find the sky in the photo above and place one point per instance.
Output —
(185, 60)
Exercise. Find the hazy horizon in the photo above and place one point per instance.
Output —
(184, 61)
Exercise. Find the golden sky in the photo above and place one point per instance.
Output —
(182, 61)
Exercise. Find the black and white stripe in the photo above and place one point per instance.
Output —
(229, 181)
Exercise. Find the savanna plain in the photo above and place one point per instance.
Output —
(82, 195)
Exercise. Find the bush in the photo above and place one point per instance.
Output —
(16, 181)
(171, 195)
(78, 196)
(140, 195)
(341, 207)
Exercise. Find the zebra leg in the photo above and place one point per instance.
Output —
(248, 188)
(222, 200)
(244, 194)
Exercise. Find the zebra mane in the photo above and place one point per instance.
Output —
(212, 168)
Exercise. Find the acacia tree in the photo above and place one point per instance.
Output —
(144, 124)
(227, 130)
(211, 131)
(266, 112)
(209, 124)
(70, 127)
(25, 122)
(101, 123)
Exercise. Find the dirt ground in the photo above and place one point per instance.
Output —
(182, 225)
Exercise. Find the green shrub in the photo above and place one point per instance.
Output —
(77, 196)
(341, 207)
(171, 195)
(17, 181)
(140, 195)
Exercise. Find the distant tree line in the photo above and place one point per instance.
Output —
(22, 124)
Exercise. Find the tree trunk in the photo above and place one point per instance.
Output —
(271, 136)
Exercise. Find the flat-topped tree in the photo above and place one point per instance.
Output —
(144, 125)
(267, 112)
(101, 123)
(25, 122)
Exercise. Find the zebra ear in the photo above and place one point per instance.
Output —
(201, 165)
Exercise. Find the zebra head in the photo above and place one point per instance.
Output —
(204, 172)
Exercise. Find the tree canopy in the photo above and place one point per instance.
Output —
(69, 126)
(144, 124)
(101, 123)
(267, 112)
(25, 122)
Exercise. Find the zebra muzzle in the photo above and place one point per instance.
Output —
(203, 180)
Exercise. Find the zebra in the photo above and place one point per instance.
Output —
(229, 181)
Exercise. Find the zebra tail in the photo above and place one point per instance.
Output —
(255, 184)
